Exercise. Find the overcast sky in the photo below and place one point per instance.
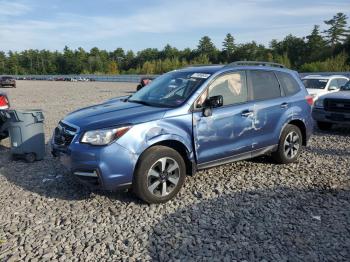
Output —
(138, 24)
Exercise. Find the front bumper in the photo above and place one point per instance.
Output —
(319, 114)
(105, 167)
(8, 83)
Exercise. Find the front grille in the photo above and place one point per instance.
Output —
(64, 134)
(337, 105)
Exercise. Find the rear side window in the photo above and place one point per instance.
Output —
(288, 83)
(264, 85)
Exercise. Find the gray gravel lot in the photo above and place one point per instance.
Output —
(250, 210)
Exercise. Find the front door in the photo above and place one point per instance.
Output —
(227, 131)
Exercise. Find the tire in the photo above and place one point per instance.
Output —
(152, 183)
(289, 146)
(324, 125)
(30, 157)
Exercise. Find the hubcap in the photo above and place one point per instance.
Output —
(163, 176)
(291, 145)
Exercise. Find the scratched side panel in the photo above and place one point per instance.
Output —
(142, 136)
(225, 133)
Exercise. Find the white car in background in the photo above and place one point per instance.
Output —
(318, 85)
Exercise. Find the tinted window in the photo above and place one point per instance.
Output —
(264, 85)
(342, 82)
(288, 83)
(315, 83)
(232, 87)
(7, 78)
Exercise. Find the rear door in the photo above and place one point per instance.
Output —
(269, 104)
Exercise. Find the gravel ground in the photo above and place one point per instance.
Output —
(250, 210)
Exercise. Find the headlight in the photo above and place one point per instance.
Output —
(104, 136)
(319, 103)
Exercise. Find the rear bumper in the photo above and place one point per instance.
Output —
(109, 167)
(320, 115)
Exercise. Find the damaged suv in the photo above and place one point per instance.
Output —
(186, 120)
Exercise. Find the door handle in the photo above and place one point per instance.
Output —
(284, 105)
(247, 113)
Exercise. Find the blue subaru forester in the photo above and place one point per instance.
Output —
(186, 120)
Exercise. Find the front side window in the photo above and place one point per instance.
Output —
(342, 82)
(333, 85)
(264, 85)
(232, 87)
(169, 90)
(346, 87)
(288, 83)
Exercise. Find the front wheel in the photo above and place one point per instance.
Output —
(159, 175)
(289, 146)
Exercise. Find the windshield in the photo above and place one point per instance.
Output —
(346, 87)
(169, 90)
(315, 83)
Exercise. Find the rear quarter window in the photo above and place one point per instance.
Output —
(288, 83)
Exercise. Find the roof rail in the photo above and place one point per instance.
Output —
(199, 65)
(257, 63)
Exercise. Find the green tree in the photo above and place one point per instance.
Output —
(283, 59)
(315, 45)
(333, 64)
(294, 47)
(207, 48)
(112, 68)
(337, 31)
(228, 47)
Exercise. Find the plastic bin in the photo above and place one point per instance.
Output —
(26, 131)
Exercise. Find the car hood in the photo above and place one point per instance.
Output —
(338, 95)
(113, 113)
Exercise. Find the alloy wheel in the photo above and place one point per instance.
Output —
(291, 145)
(163, 177)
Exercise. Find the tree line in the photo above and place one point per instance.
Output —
(327, 50)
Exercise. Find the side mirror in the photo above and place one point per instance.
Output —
(212, 102)
(332, 88)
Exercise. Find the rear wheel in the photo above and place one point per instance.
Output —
(159, 175)
(324, 125)
(289, 146)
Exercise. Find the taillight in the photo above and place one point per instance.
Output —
(309, 100)
(4, 103)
